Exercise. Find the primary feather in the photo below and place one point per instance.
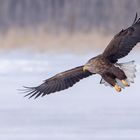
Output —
(123, 42)
(58, 82)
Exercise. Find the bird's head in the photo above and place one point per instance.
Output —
(86, 67)
(90, 65)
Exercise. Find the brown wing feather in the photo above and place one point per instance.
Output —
(123, 42)
(58, 82)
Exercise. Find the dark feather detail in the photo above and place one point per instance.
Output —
(58, 82)
(135, 20)
(123, 42)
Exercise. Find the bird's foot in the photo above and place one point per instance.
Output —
(117, 88)
(125, 83)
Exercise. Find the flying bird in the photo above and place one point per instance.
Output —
(117, 75)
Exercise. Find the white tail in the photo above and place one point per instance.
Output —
(129, 69)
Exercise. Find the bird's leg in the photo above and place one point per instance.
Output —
(124, 83)
(119, 74)
(117, 88)
(111, 80)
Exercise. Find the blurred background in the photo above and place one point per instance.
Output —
(63, 25)
(39, 38)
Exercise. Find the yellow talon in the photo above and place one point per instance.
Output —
(117, 88)
(125, 83)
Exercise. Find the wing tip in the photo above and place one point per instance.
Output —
(136, 19)
(30, 92)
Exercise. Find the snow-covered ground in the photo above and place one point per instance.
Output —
(87, 111)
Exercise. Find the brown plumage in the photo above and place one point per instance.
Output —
(59, 82)
(105, 64)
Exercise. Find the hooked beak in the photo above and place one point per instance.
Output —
(85, 68)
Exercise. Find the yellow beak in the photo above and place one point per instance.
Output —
(85, 68)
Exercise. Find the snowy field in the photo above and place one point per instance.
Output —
(87, 111)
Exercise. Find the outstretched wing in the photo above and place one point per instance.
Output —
(123, 42)
(58, 82)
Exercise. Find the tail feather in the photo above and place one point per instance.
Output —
(129, 69)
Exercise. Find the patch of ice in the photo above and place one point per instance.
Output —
(23, 65)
